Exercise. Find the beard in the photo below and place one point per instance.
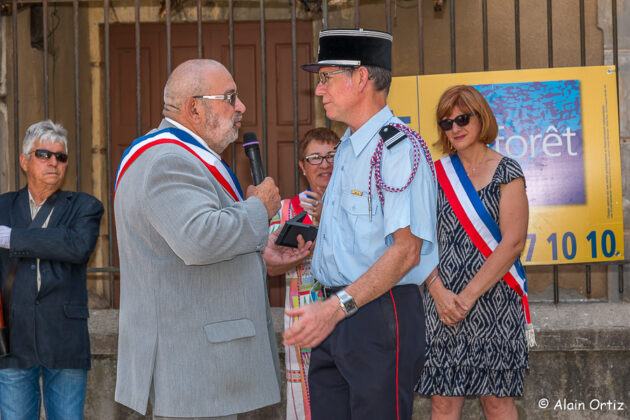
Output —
(222, 130)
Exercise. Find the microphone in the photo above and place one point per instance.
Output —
(252, 150)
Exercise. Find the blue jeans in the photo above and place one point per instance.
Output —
(64, 393)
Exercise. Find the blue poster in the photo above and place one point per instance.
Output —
(540, 125)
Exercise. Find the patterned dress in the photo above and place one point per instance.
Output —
(302, 289)
(485, 353)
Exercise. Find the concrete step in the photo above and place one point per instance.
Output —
(580, 368)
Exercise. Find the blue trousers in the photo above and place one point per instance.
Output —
(368, 366)
(64, 393)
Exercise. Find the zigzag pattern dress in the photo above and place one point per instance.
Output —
(485, 353)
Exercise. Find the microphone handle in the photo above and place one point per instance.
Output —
(258, 175)
(255, 163)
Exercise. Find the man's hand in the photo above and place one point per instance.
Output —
(268, 193)
(284, 256)
(316, 322)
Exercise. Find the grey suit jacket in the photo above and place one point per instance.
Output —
(194, 314)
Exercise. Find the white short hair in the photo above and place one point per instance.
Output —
(46, 132)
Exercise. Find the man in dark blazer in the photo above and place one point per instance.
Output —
(46, 238)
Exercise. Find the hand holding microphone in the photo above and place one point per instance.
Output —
(268, 193)
(264, 189)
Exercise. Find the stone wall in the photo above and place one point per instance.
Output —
(579, 370)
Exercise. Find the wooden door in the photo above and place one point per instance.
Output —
(248, 76)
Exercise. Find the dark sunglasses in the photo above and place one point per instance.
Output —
(46, 154)
(461, 120)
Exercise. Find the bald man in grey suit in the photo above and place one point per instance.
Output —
(195, 332)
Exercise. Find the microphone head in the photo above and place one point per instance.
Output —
(249, 138)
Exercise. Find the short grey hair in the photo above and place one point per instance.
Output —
(46, 132)
(382, 78)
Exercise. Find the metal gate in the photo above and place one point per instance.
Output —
(318, 10)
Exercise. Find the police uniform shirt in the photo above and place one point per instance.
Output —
(349, 243)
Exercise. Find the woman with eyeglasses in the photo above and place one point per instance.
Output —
(317, 152)
(476, 318)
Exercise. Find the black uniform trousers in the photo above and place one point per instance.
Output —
(368, 366)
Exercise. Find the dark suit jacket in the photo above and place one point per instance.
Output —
(49, 327)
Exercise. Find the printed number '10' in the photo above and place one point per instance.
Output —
(569, 245)
(608, 251)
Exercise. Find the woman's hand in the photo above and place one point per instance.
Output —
(513, 216)
(451, 308)
(312, 204)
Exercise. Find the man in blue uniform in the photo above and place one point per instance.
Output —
(376, 243)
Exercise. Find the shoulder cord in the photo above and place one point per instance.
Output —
(417, 143)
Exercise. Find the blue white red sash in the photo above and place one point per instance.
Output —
(297, 207)
(291, 208)
(474, 217)
(181, 138)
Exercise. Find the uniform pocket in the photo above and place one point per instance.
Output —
(363, 226)
(220, 332)
(389, 319)
(356, 204)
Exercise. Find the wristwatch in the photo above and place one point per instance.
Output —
(347, 303)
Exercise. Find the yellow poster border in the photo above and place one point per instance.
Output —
(583, 232)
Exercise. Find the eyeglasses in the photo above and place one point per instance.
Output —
(44, 154)
(230, 97)
(323, 77)
(316, 159)
(461, 120)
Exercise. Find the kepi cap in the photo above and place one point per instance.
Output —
(352, 47)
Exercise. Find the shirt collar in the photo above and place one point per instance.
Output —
(33, 206)
(32, 200)
(195, 136)
(360, 138)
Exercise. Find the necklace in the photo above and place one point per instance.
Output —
(472, 168)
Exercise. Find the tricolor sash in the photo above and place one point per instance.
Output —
(219, 170)
(477, 222)
(296, 204)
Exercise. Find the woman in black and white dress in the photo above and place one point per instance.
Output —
(476, 344)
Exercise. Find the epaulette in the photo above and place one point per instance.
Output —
(391, 136)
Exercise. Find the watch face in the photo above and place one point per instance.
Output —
(348, 304)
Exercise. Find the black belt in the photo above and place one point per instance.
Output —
(329, 291)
